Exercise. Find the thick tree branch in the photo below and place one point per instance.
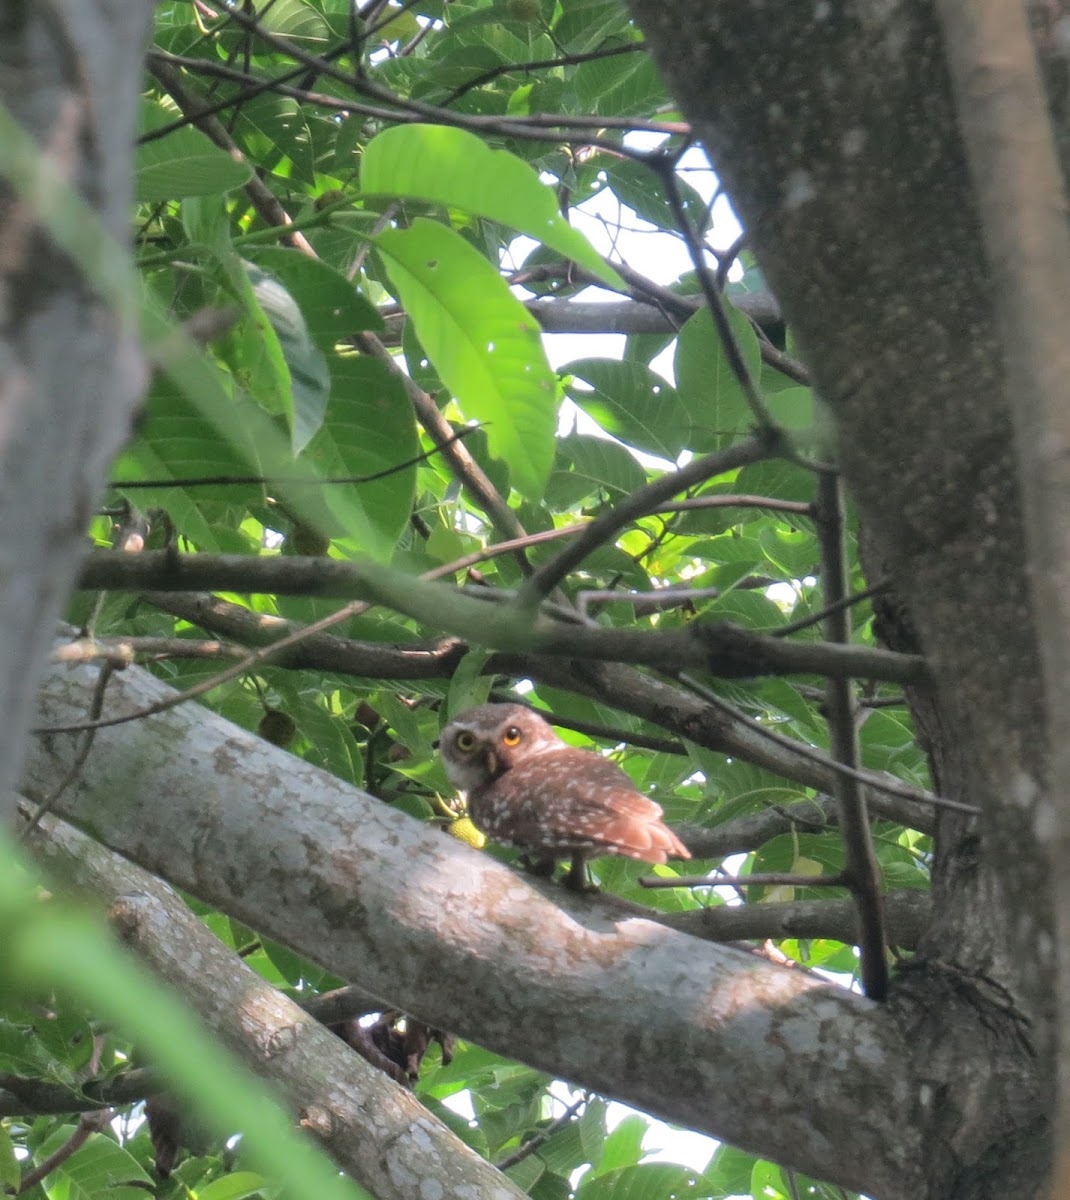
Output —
(468, 945)
(721, 729)
(374, 1129)
(720, 648)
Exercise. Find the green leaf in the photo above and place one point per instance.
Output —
(235, 1186)
(48, 947)
(708, 386)
(729, 1171)
(585, 464)
(564, 1152)
(332, 307)
(101, 1165)
(484, 344)
(309, 377)
(456, 169)
(272, 127)
(624, 1145)
(9, 1165)
(469, 686)
(332, 745)
(643, 191)
(647, 1181)
(182, 163)
(369, 427)
(793, 407)
(795, 553)
(527, 1173)
(613, 87)
(633, 403)
(175, 441)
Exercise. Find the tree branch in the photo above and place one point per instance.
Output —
(721, 729)
(468, 945)
(608, 523)
(907, 912)
(861, 870)
(374, 1129)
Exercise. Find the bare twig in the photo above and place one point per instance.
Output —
(844, 602)
(263, 199)
(758, 879)
(861, 870)
(75, 769)
(88, 1123)
(311, 480)
(720, 728)
(533, 1143)
(664, 166)
(908, 913)
(603, 528)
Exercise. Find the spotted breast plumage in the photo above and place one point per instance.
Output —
(529, 789)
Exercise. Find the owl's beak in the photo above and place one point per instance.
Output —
(490, 760)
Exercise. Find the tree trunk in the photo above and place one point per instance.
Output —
(71, 370)
(834, 131)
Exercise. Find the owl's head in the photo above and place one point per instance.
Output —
(483, 743)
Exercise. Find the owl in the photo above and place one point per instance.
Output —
(527, 788)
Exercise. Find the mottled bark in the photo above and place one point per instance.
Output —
(463, 943)
(70, 373)
(834, 129)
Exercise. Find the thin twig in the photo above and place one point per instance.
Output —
(533, 1143)
(542, 64)
(311, 480)
(75, 769)
(665, 168)
(88, 1123)
(605, 526)
(861, 870)
(844, 602)
(624, 690)
(801, 508)
(758, 879)
(260, 195)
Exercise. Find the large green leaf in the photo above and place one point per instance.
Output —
(98, 1168)
(332, 307)
(175, 441)
(184, 162)
(456, 169)
(632, 402)
(309, 379)
(484, 344)
(647, 1181)
(707, 384)
(585, 464)
(369, 427)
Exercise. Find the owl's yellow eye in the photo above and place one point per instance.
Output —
(512, 736)
(465, 741)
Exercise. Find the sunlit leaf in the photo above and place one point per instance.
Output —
(482, 341)
(454, 168)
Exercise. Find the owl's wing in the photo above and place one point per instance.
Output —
(567, 801)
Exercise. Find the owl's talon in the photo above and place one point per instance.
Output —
(538, 865)
(577, 879)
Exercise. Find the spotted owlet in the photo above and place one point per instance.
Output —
(529, 789)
